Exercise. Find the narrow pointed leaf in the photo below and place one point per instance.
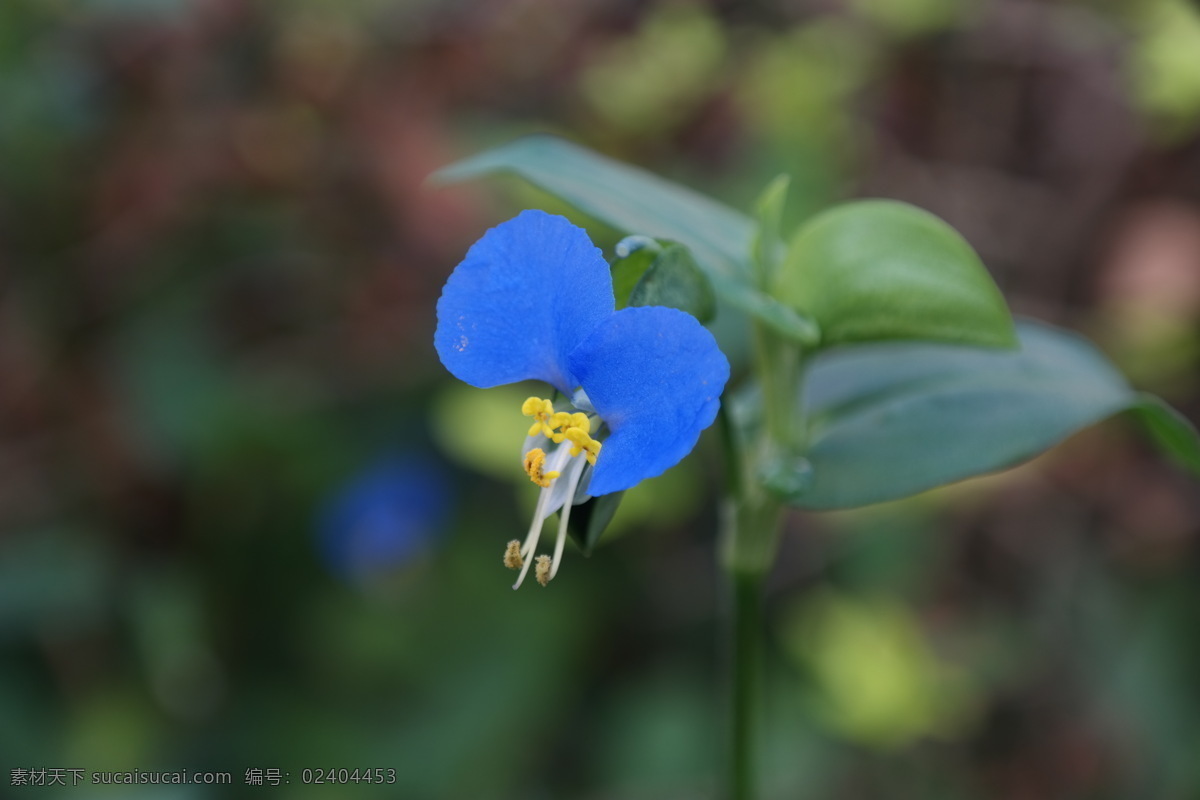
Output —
(628, 198)
(635, 201)
(1170, 430)
(589, 520)
(893, 419)
(783, 320)
(768, 247)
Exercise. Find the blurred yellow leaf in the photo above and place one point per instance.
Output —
(646, 82)
(878, 680)
(1165, 66)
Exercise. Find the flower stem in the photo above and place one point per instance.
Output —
(750, 534)
(746, 622)
(751, 525)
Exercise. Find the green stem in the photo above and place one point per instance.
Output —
(750, 530)
(746, 667)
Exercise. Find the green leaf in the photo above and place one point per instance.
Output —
(775, 315)
(893, 419)
(635, 201)
(628, 198)
(674, 280)
(589, 520)
(634, 255)
(767, 248)
(1170, 430)
(881, 269)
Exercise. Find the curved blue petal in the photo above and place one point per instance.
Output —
(526, 294)
(655, 375)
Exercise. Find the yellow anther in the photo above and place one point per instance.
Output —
(541, 569)
(536, 405)
(567, 421)
(583, 443)
(561, 419)
(542, 411)
(535, 463)
(512, 555)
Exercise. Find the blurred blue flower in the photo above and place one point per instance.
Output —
(382, 517)
(533, 300)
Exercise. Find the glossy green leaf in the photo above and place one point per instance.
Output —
(635, 201)
(674, 280)
(1170, 430)
(880, 269)
(893, 419)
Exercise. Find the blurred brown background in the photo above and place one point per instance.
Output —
(239, 528)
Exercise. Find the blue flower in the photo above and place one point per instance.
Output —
(382, 517)
(533, 300)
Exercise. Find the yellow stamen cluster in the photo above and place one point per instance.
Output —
(542, 411)
(535, 465)
(581, 442)
(559, 426)
(567, 422)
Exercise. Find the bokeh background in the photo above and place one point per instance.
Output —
(247, 521)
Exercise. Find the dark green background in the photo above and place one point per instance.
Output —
(218, 267)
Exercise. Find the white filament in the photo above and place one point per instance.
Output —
(562, 522)
(558, 460)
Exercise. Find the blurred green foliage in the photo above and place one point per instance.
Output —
(218, 267)
(1165, 68)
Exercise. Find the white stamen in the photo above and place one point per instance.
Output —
(535, 528)
(562, 522)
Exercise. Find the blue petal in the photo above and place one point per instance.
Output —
(527, 293)
(655, 375)
(383, 516)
